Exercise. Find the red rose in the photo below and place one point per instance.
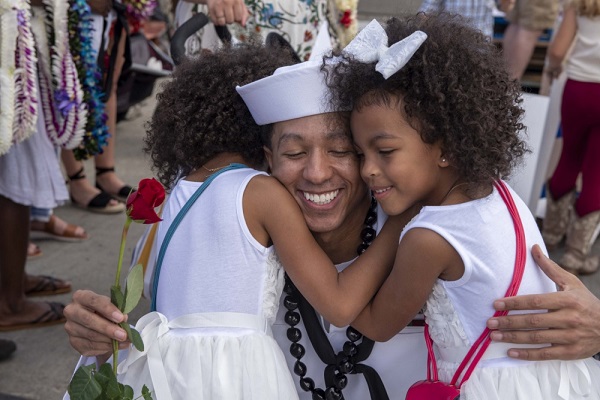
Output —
(141, 203)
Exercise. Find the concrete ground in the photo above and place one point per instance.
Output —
(43, 363)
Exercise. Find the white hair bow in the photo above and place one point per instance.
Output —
(370, 45)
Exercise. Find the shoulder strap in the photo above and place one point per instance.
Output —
(482, 343)
(175, 224)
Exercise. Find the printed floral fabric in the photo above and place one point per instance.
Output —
(296, 20)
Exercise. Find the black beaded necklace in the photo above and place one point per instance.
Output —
(347, 361)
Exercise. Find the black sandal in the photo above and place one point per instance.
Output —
(100, 203)
(123, 193)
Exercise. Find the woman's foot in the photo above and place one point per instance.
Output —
(43, 285)
(57, 229)
(33, 251)
(30, 314)
(84, 195)
(108, 181)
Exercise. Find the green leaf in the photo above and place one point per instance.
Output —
(106, 377)
(83, 386)
(127, 392)
(135, 285)
(116, 297)
(146, 394)
(134, 336)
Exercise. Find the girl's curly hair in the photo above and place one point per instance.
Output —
(199, 113)
(454, 91)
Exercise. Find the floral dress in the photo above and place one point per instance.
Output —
(297, 21)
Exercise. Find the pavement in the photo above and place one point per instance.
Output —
(41, 367)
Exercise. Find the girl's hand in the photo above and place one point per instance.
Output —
(223, 12)
(101, 7)
(572, 324)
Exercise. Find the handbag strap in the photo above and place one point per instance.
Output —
(175, 224)
(482, 343)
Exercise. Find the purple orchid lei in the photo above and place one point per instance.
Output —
(65, 113)
(81, 36)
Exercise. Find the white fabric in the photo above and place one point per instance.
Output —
(482, 233)
(275, 98)
(583, 63)
(30, 174)
(370, 45)
(217, 296)
(400, 362)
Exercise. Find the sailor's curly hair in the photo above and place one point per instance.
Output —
(199, 113)
(454, 91)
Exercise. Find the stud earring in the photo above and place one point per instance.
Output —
(443, 160)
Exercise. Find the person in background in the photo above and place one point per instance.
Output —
(577, 217)
(527, 20)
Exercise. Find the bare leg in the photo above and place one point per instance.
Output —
(109, 181)
(15, 308)
(518, 46)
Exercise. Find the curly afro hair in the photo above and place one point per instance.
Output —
(455, 91)
(199, 113)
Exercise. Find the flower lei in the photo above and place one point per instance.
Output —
(137, 11)
(65, 113)
(81, 36)
(348, 26)
(18, 94)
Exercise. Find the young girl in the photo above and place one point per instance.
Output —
(437, 133)
(217, 288)
(580, 119)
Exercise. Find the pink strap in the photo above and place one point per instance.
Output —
(482, 343)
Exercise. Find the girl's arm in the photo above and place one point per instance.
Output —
(269, 207)
(423, 257)
(561, 43)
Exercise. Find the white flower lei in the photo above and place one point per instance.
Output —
(8, 45)
(25, 76)
(65, 112)
(346, 32)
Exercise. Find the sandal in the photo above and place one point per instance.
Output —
(57, 229)
(51, 317)
(48, 286)
(122, 193)
(100, 203)
(33, 251)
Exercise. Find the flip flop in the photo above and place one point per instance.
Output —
(51, 317)
(47, 286)
(33, 251)
(57, 229)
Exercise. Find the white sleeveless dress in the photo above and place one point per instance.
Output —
(211, 337)
(456, 311)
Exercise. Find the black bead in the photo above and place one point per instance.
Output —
(297, 350)
(362, 248)
(371, 218)
(289, 287)
(300, 368)
(333, 394)
(307, 384)
(294, 334)
(346, 366)
(368, 234)
(318, 394)
(290, 302)
(340, 381)
(292, 318)
(353, 335)
(350, 349)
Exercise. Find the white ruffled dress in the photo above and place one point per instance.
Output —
(211, 338)
(498, 377)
